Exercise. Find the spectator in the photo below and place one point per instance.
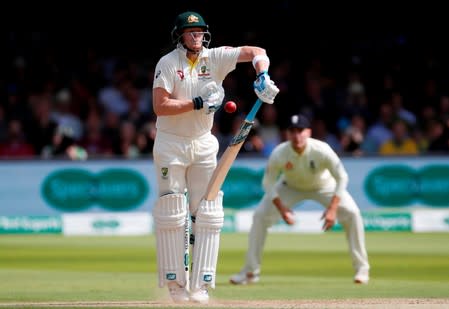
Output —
(145, 138)
(64, 146)
(438, 136)
(16, 146)
(42, 127)
(94, 141)
(354, 135)
(400, 143)
(400, 111)
(126, 144)
(380, 131)
(320, 132)
(64, 116)
(268, 129)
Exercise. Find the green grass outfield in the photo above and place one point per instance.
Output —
(102, 270)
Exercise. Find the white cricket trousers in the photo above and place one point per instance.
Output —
(266, 214)
(185, 163)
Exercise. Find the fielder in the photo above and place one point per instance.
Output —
(303, 168)
(187, 90)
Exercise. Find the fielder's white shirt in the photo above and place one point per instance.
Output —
(183, 80)
(317, 167)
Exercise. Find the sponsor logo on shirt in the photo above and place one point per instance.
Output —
(180, 74)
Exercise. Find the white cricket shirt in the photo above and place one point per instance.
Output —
(317, 167)
(183, 80)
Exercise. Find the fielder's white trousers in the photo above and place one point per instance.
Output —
(266, 214)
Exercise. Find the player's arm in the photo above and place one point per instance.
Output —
(337, 170)
(272, 172)
(286, 213)
(209, 100)
(164, 105)
(330, 214)
(257, 55)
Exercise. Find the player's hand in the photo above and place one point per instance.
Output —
(288, 216)
(212, 104)
(329, 216)
(210, 99)
(285, 212)
(265, 88)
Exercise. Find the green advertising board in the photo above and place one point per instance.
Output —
(402, 185)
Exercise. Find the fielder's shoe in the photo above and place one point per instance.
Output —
(200, 296)
(362, 276)
(178, 293)
(244, 277)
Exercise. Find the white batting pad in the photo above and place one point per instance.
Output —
(169, 216)
(209, 221)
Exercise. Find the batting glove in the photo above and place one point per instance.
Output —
(265, 88)
(210, 99)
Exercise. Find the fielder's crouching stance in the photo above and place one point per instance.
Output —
(187, 91)
(303, 168)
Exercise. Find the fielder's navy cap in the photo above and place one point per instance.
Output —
(299, 121)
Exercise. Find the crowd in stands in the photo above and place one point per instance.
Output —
(85, 103)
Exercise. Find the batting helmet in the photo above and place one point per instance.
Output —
(185, 20)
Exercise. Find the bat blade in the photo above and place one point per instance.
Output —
(230, 154)
(187, 248)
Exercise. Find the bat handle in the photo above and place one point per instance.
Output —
(253, 111)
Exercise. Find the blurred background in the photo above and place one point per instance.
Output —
(361, 87)
(81, 99)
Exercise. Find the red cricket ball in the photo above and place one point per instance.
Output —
(230, 107)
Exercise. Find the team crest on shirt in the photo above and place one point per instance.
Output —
(204, 73)
(164, 172)
(312, 165)
(180, 74)
(289, 166)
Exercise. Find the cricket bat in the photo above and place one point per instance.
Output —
(228, 157)
(187, 248)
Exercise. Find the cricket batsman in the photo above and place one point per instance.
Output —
(187, 90)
